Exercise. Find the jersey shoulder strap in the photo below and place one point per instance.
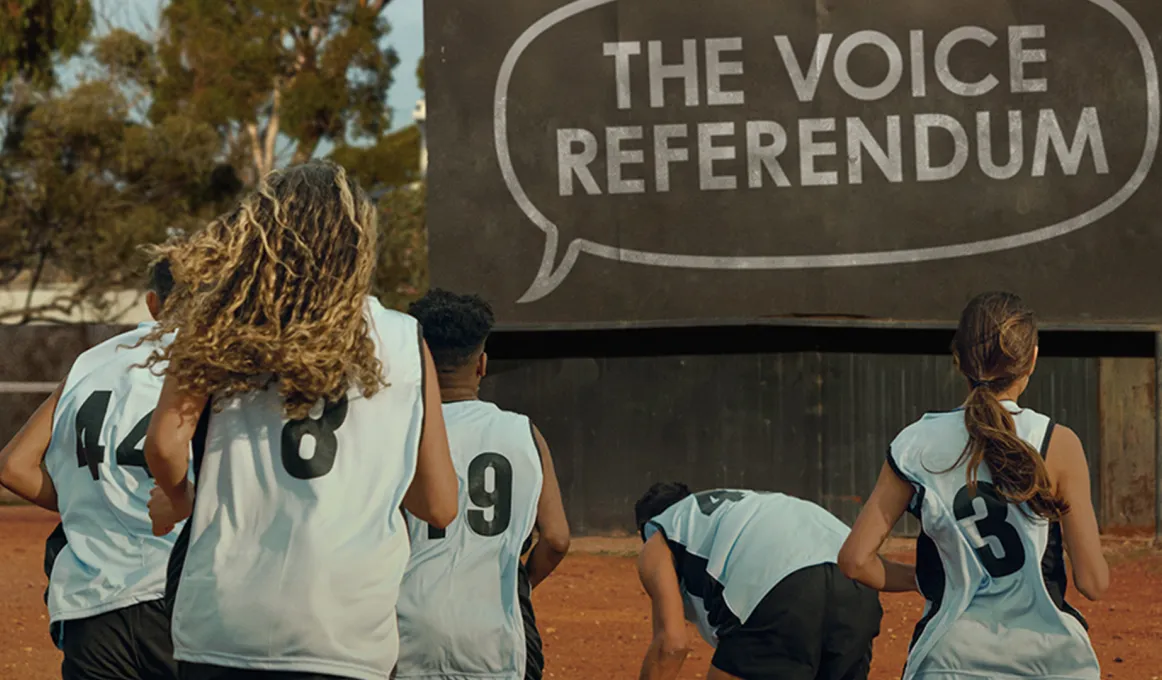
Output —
(394, 331)
(933, 445)
(1035, 428)
(942, 432)
(519, 430)
(676, 522)
(112, 350)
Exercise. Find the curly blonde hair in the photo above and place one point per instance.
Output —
(274, 292)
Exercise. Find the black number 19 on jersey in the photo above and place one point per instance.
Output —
(499, 497)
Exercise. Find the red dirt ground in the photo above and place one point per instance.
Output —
(594, 615)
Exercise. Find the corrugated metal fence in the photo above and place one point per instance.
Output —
(810, 423)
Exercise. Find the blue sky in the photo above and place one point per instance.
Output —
(407, 37)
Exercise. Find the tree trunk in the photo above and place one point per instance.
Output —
(34, 282)
(272, 127)
(305, 150)
(255, 150)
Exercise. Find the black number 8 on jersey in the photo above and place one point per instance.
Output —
(322, 430)
(992, 524)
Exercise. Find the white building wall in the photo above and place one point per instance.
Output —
(125, 307)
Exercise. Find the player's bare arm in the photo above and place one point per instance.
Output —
(859, 559)
(1069, 471)
(552, 525)
(433, 494)
(21, 461)
(167, 452)
(669, 646)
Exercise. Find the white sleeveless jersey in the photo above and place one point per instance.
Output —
(459, 614)
(297, 545)
(993, 575)
(731, 547)
(97, 464)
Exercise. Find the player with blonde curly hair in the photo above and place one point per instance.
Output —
(275, 293)
(314, 415)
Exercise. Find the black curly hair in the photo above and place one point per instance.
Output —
(656, 500)
(161, 279)
(455, 326)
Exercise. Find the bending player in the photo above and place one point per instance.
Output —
(756, 573)
(464, 608)
(996, 488)
(108, 573)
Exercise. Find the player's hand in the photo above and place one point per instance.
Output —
(166, 512)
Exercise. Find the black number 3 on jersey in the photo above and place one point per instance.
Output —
(991, 523)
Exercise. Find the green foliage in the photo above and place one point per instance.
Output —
(401, 274)
(85, 187)
(128, 58)
(35, 32)
(261, 71)
(392, 161)
(168, 133)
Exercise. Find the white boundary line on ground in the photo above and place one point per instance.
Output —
(27, 387)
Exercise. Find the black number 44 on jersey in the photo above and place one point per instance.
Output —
(89, 422)
(709, 501)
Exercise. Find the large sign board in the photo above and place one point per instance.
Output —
(596, 162)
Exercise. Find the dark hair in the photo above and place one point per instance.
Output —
(161, 279)
(455, 326)
(995, 346)
(655, 501)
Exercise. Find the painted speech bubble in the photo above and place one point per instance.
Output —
(551, 273)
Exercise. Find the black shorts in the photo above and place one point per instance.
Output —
(816, 624)
(534, 654)
(132, 643)
(53, 545)
(198, 671)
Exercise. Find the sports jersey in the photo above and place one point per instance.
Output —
(459, 611)
(992, 574)
(731, 547)
(110, 558)
(297, 545)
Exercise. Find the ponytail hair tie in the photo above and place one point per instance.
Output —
(976, 384)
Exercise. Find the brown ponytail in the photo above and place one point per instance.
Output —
(995, 346)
